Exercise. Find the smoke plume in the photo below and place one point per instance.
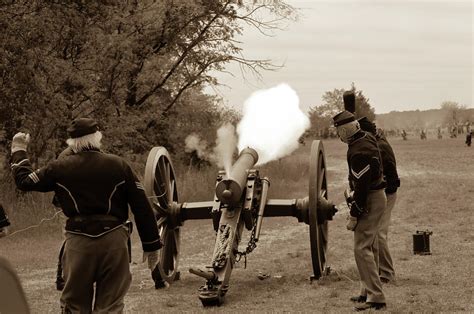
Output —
(194, 143)
(222, 153)
(226, 143)
(272, 123)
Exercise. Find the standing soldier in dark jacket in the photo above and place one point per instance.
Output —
(386, 270)
(94, 190)
(367, 204)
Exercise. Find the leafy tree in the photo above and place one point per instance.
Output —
(453, 112)
(321, 115)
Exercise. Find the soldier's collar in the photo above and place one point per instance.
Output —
(357, 137)
(90, 149)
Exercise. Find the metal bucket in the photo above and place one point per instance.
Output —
(421, 242)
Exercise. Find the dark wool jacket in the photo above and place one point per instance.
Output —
(365, 168)
(3, 218)
(91, 183)
(389, 164)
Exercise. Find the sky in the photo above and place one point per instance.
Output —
(403, 54)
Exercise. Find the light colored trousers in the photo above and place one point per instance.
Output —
(103, 261)
(366, 247)
(385, 259)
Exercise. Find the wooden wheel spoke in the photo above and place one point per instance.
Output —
(164, 188)
(171, 188)
(176, 241)
(161, 221)
(321, 175)
(323, 193)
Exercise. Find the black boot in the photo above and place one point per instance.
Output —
(359, 299)
(371, 305)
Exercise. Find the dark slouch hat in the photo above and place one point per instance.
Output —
(81, 127)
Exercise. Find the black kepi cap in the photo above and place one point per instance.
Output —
(343, 118)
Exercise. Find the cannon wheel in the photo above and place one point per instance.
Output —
(160, 186)
(318, 230)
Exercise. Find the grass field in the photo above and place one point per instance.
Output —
(437, 194)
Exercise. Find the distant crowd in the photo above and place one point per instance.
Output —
(453, 131)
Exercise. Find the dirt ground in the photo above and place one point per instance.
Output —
(437, 194)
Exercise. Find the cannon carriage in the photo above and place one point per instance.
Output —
(240, 201)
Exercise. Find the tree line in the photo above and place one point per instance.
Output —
(138, 67)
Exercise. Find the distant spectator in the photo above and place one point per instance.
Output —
(423, 135)
(404, 135)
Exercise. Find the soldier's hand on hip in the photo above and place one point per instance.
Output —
(20, 141)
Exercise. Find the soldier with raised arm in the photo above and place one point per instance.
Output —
(94, 190)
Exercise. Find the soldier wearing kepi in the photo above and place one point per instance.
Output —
(386, 270)
(94, 190)
(367, 204)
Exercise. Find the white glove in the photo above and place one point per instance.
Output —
(20, 141)
(152, 258)
(351, 223)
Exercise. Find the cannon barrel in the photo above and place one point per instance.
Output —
(229, 190)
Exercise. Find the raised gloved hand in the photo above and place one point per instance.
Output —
(20, 141)
(152, 258)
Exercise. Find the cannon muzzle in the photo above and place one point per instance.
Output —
(229, 190)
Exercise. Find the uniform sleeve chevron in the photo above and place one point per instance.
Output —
(359, 174)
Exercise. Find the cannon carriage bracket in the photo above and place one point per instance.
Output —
(240, 201)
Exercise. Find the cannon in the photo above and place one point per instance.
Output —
(240, 201)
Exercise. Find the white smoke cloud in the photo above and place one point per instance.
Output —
(222, 153)
(226, 144)
(272, 123)
(194, 143)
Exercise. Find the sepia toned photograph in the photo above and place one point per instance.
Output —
(230, 156)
